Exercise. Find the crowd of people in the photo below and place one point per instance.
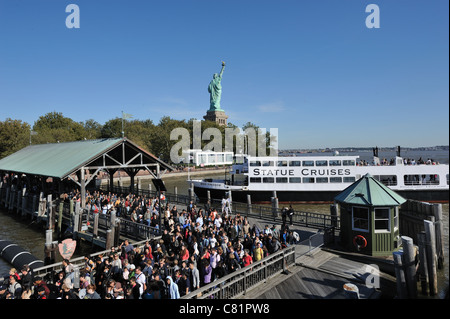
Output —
(406, 161)
(197, 246)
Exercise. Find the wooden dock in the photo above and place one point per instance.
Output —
(321, 275)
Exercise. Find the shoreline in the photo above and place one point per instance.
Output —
(145, 176)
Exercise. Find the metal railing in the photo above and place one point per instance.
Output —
(237, 283)
(79, 261)
(300, 218)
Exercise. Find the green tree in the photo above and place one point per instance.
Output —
(92, 129)
(112, 128)
(14, 135)
(54, 127)
(161, 143)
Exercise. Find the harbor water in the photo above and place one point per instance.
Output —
(32, 238)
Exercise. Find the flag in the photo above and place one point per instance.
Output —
(126, 116)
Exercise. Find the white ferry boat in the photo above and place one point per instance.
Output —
(313, 179)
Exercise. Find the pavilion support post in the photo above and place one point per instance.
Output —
(111, 173)
(83, 188)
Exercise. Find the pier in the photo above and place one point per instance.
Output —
(315, 266)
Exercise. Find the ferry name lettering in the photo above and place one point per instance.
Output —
(273, 172)
(322, 172)
(304, 172)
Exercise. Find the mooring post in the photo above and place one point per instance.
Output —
(249, 204)
(423, 271)
(49, 249)
(110, 233)
(60, 214)
(95, 231)
(399, 274)
(24, 205)
(76, 219)
(439, 232)
(409, 257)
(76, 277)
(109, 239)
(230, 201)
(431, 255)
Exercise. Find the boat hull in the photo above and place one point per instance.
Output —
(432, 196)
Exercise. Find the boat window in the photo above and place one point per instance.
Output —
(255, 179)
(447, 179)
(388, 180)
(267, 163)
(202, 159)
(335, 163)
(220, 158)
(349, 179)
(427, 179)
(382, 221)
(282, 179)
(229, 157)
(335, 179)
(348, 162)
(211, 158)
(268, 180)
(321, 163)
(308, 179)
(308, 163)
(360, 218)
(294, 163)
(282, 163)
(322, 180)
(255, 163)
(295, 180)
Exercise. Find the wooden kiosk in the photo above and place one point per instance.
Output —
(369, 215)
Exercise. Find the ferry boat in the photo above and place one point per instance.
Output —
(318, 179)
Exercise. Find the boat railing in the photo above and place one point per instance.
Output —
(415, 183)
(268, 213)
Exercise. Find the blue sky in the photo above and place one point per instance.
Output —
(312, 68)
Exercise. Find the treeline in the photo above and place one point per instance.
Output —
(54, 127)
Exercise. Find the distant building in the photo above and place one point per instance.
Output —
(198, 157)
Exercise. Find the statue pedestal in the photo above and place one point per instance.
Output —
(216, 116)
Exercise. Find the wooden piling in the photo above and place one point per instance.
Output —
(431, 255)
(230, 199)
(50, 247)
(95, 230)
(410, 267)
(77, 216)
(400, 274)
(60, 214)
(109, 239)
(439, 233)
(423, 271)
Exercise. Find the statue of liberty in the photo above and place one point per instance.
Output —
(215, 90)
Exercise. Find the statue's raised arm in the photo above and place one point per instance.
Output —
(215, 90)
(223, 67)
